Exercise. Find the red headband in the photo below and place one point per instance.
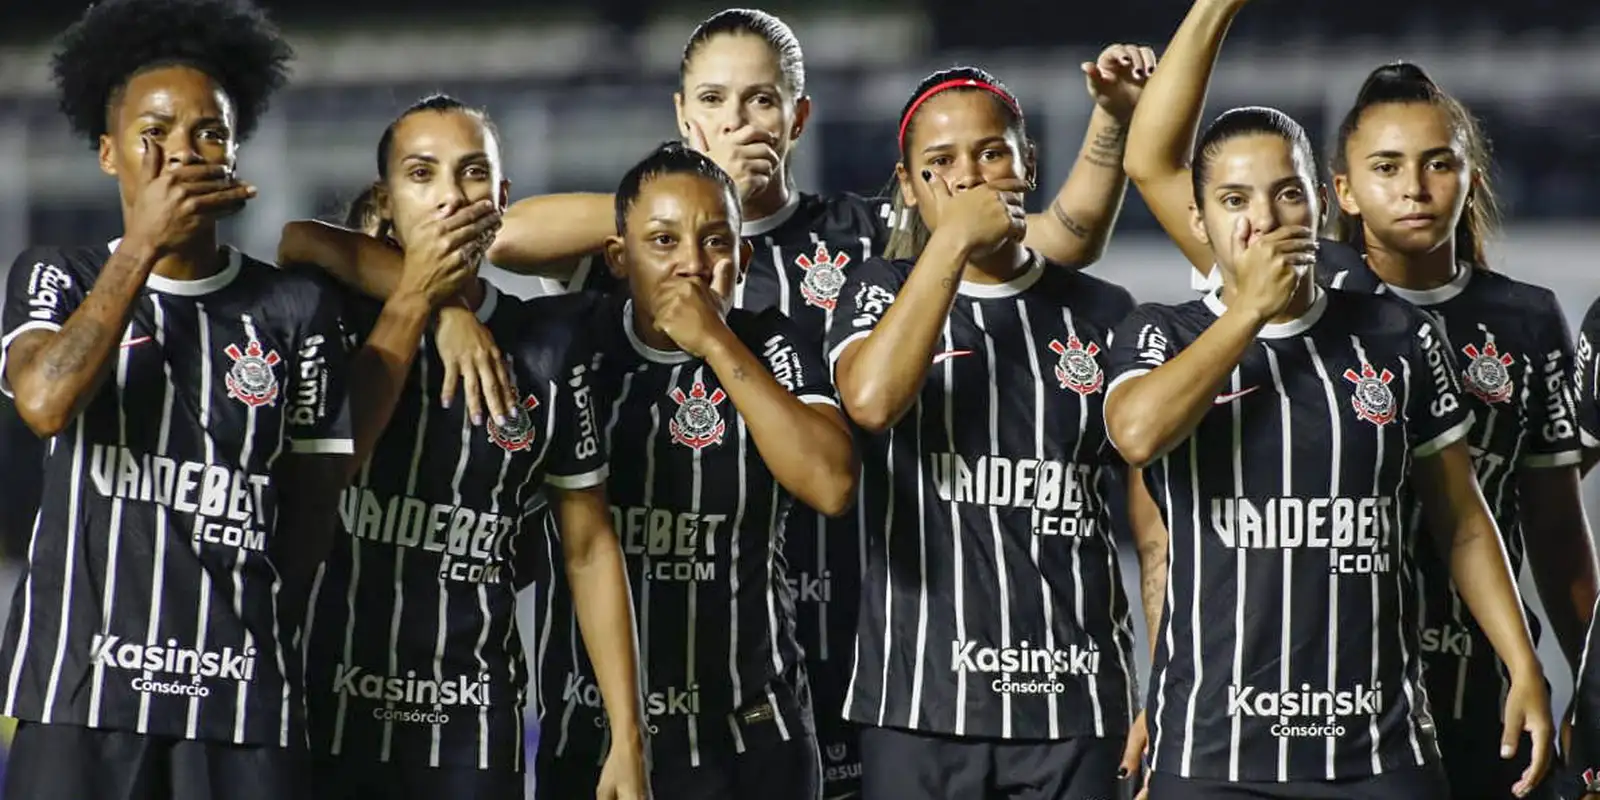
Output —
(958, 83)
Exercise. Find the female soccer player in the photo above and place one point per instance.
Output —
(993, 650)
(1411, 175)
(1285, 433)
(1415, 159)
(717, 421)
(194, 398)
(415, 669)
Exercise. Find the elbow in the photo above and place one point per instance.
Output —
(291, 249)
(41, 414)
(1134, 440)
(1138, 166)
(868, 407)
(502, 252)
(837, 492)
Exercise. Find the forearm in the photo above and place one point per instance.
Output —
(354, 259)
(1482, 576)
(1078, 224)
(1162, 133)
(538, 233)
(54, 375)
(807, 449)
(599, 582)
(379, 369)
(1151, 414)
(885, 371)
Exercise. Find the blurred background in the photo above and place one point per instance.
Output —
(582, 90)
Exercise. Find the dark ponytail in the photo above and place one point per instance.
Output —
(362, 214)
(1405, 83)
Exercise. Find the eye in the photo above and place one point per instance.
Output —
(1384, 168)
(477, 172)
(214, 135)
(1232, 201)
(764, 100)
(710, 98)
(1442, 165)
(419, 173)
(152, 131)
(718, 242)
(994, 154)
(940, 161)
(1293, 194)
(663, 240)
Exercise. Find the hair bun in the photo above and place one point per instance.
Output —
(1400, 81)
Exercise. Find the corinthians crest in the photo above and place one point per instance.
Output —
(1372, 398)
(1488, 375)
(251, 380)
(519, 431)
(824, 277)
(1076, 368)
(697, 424)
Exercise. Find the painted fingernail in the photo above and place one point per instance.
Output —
(502, 420)
(477, 419)
(1122, 773)
(927, 177)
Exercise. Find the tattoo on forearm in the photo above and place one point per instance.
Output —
(1105, 148)
(1075, 227)
(948, 282)
(738, 372)
(1154, 589)
(70, 351)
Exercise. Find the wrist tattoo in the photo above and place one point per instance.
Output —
(1106, 147)
(1073, 226)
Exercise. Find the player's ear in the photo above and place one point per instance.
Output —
(1030, 164)
(1322, 207)
(504, 200)
(1197, 224)
(1341, 192)
(108, 154)
(802, 115)
(908, 194)
(677, 111)
(616, 257)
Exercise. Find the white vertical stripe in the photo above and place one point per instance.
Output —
(1336, 430)
(1410, 687)
(1286, 643)
(652, 442)
(108, 595)
(67, 579)
(781, 269)
(441, 635)
(692, 593)
(1080, 612)
(363, 479)
(888, 582)
(203, 617)
(958, 581)
(1001, 567)
(734, 679)
(772, 604)
(1241, 575)
(1052, 702)
(1169, 602)
(823, 527)
(242, 696)
(159, 561)
(500, 550)
(1198, 665)
(26, 628)
(424, 404)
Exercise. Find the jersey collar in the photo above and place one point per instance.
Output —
(645, 351)
(1438, 294)
(1030, 275)
(195, 288)
(491, 301)
(772, 222)
(1280, 330)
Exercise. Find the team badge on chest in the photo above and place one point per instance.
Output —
(251, 380)
(824, 277)
(1372, 398)
(519, 431)
(697, 424)
(1488, 375)
(1076, 368)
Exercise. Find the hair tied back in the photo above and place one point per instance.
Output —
(1399, 82)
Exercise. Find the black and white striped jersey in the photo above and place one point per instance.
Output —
(702, 522)
(22, 459)
(151, 603)
(413, 655)
(800, 259)
(1582, 767)
(1289, 646)
(1515, 360)
(992, 604)
(1586, 377)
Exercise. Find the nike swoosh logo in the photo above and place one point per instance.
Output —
(1228, 397)
(940, 358)
(135, 342)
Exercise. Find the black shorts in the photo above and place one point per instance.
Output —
(906, 765)
(572, 775)
(71, 762)
(1470, 753)
(1415, 783)
(357, 779)
(840, 744)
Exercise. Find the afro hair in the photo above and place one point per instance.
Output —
(230, 40)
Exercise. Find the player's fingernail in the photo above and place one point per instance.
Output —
(502, 420)
(1122, 773)
(445, 403)
(1505, 751)
(477, 419)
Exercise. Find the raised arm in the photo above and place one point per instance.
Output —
(1156, 401)
(367, 265)
(884, 333)
(1162, 134)
(1455, 510)
(61, 346)
(797, 426)
(1075, 229)
(547, 235)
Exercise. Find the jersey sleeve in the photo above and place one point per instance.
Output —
(1586, 377)
(1435, 416)
(41, 293)
(1549, 411)
(319, 408)
(866, 297)
(795, 361)
(1138, 346)
(577, 455)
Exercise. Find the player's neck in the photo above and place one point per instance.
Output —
(998, 267)
(771, 200)
(197, 259)
(1418, 272)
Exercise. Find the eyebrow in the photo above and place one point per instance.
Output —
(429, 158)
(1293, 180)
(723, 88)
(987, 140)
(168, 119)
(1397, 155)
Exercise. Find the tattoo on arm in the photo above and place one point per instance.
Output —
(1105, 149)
(738, 372)
(1073, 226)
(949, 281)
(71, 351)
(1154, 586)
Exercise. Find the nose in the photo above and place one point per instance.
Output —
(452, 196)
(1415, 187)
(965, 175)
(1263, 218)
(181, 152)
